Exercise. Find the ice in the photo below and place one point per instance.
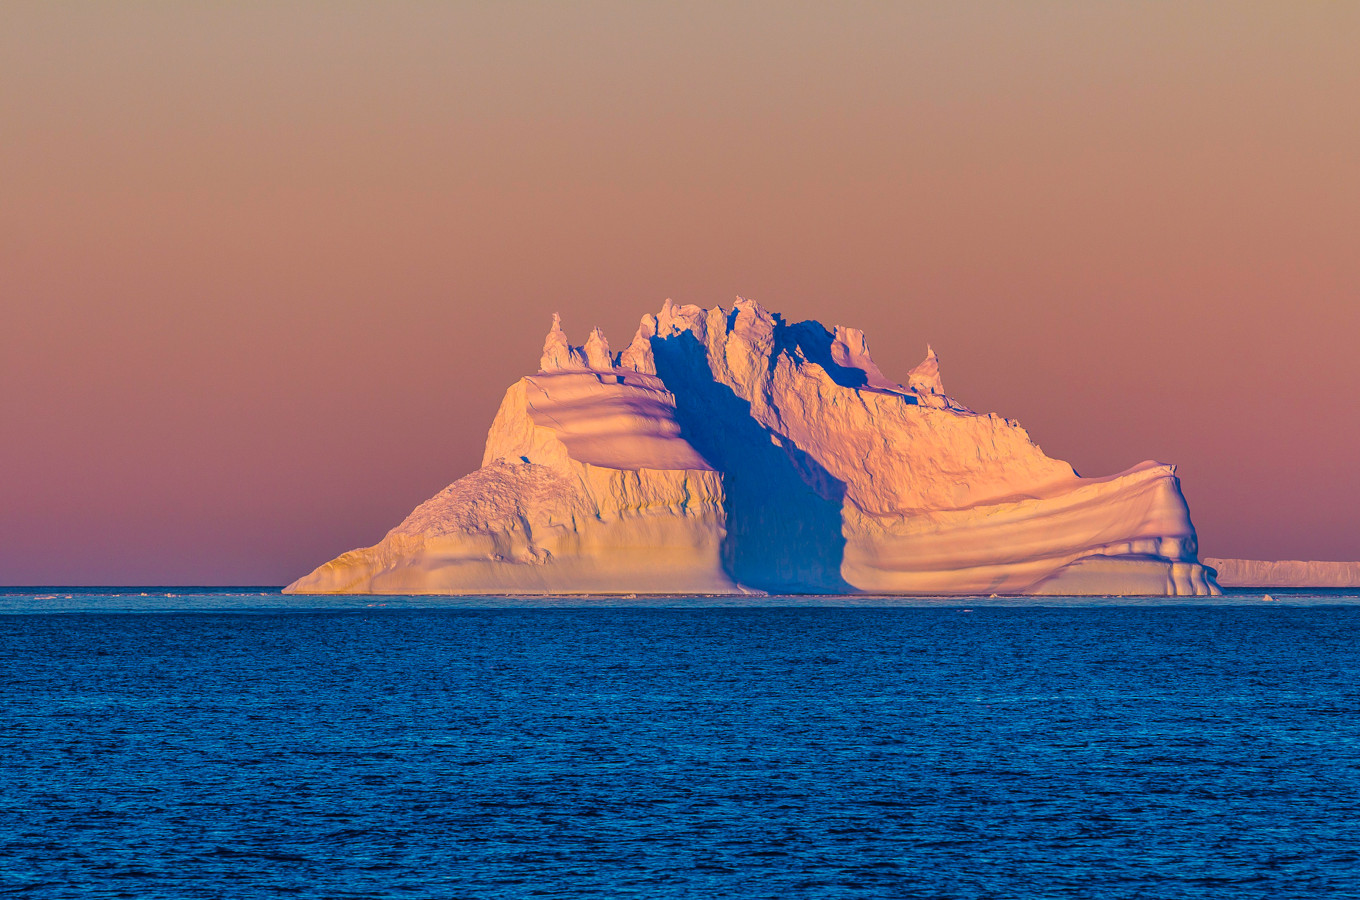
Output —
(727, 450)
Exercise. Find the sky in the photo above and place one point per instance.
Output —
(266, 270)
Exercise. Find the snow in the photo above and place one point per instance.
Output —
(727, 450)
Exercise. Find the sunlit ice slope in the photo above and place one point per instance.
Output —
(586, 487)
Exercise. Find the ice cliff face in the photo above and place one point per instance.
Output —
(726, 450)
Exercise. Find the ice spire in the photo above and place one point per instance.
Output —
(925, 378)
(638, 354)
(558, 355)
(597, 351)
(850, 349)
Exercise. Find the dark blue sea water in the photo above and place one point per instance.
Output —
(295, 748)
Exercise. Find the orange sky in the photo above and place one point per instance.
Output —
(265, 273)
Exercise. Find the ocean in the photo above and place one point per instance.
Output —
(184, 743)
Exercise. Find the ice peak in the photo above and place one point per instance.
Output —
(750, 316)
(597, 351)
(850, 349)
(754, 329)
(676, 319)
(925, 378)
(558, 355)
(638, 354)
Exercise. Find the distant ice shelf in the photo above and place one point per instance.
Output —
(1285, 573)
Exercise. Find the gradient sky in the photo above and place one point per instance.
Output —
(266, 270)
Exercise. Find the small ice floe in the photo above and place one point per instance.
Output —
(1269, 599)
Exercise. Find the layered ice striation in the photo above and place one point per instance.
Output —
(725, 450)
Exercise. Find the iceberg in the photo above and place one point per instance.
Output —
(729, 451)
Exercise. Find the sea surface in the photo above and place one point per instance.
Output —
(240, 744)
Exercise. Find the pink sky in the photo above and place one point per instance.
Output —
(266, 273)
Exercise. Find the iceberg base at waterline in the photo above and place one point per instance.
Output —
(725, 451)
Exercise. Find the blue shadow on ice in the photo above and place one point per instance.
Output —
(783, 507)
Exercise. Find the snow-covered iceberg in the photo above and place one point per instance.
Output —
(727, 450)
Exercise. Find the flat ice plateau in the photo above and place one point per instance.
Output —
(1286, 573)
(728, 452)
